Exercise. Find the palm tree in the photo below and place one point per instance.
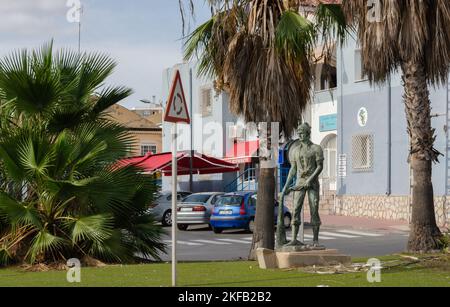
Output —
(61, 193)
(415, 37)
(260, 53)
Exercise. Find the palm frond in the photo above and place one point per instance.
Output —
(295, 36)
(10, 163)
(109, 97)
(96, 228)
(113, 249)
(35, 154)
(332, 24)
(30, 80)
(198, 45)
(405, 31)
(18, 214)
(96, 67)
(45, 243)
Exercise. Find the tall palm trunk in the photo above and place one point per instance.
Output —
(264, 233)
(424, 231)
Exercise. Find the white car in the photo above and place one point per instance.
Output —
(162, 208)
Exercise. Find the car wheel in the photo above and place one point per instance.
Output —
(251, 226)
(167, 218)
(182, 227)
(217, 230)
(287, 221)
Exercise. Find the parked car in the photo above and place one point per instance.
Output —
(196, 209)
(162, 208)
(237, 211)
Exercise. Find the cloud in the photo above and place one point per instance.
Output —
(27, 17)
(140, 67)
(8, 6)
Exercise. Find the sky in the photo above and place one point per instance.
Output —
(143, 36)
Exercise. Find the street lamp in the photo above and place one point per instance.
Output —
(154, 103)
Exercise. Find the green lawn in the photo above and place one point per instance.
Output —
(232, 274)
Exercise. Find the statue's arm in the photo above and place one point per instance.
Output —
(291, 176)
(319, 161)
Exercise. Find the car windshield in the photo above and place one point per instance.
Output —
(197, 198)
(231, 201)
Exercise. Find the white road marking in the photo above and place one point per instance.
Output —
(360, 233)
(310, 237)
(325, 235)
(184, 243)
(212, 242)
(234, 241)
(320, 237)
(339, 235)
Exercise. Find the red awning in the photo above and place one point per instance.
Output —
(202, 164)
(243, 152)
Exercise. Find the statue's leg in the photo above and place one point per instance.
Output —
(299, 199)
(314, 201)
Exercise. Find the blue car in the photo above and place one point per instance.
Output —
(237, 211)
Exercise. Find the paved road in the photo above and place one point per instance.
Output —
(201, 244)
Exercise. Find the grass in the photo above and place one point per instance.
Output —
(429, 272)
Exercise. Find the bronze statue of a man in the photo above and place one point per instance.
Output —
(307, 165)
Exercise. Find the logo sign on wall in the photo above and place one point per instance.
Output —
(363, 117)
(328, 123)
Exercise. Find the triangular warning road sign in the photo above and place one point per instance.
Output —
(177, 110)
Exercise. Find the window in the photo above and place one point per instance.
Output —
(359, 73)
(327, 78)
(197, 198)
(250, 172)
(252, 201)
(148, 149)
(362, 153)
(180, 196)
(206, 97)
(215, 199)
(330, 154)
(230, 201)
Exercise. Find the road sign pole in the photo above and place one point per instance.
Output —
(176, 112)
(174, 204)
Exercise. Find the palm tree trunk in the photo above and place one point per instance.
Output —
(424, 234)
(264, 233)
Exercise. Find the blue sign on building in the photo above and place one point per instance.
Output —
(328, 123)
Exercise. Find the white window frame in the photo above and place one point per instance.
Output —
(369, 153)
(143, 153)
(206, 112)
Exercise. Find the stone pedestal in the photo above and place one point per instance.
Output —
(295, 259)
(267, 258)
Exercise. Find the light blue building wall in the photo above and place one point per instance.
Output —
(386, 122)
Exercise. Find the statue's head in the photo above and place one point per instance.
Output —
(304, 132)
